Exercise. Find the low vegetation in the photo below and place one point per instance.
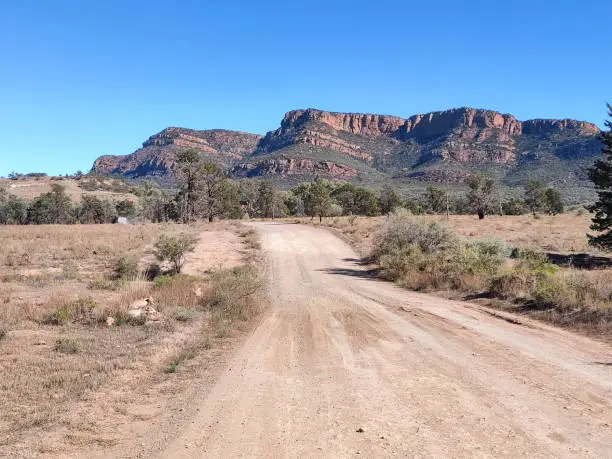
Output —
(174, 249)
(75, 335)
(421, 255)
(501, 261)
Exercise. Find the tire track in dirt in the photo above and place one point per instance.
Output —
(345, 364)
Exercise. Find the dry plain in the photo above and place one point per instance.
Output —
(339, 364)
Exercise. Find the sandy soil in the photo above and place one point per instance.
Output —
(344, 364)
(216, 249)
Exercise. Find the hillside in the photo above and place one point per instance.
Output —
(158, 153)
(442, 147)
(28, 188)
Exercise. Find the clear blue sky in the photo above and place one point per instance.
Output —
(79, 79)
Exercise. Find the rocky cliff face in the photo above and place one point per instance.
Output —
(430, 125)
(158, 153)
(286, 166)
(438, 146)
(463, 134)
(566, 126)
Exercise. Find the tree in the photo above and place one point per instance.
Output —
(54, 207)
(279, 206)
(265, 200)
(188, 172)
(93, 210)
(481, 195)
(155, 205)
(436, 199)
(125, 208)
(553, 201)
(535, 196)
(601, 176)
(213, 185)
(344, 195)
(294, 204)
(366, 202)
(388, 200)
(318, 200)
(173, 249)
(13, 211)
(513, 206)
(230, 200)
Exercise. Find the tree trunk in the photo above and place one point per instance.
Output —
(210, 218)
(481, 215)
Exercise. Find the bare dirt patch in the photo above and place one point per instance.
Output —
(218, 248)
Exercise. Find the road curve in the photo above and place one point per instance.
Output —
(343, 364)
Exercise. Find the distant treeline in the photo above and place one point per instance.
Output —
(204, 192)
(56, 207)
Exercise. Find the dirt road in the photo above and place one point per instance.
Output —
(343, 364)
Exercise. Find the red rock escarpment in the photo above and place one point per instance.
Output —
(285, 166)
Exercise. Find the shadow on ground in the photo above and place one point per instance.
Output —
(357, 272)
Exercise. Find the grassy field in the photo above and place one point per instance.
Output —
(75, 366)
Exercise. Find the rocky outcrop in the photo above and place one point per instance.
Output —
(566, 126)
(158, 152)
(430, 125)
(355, 123)
(106, 164)
(356, 146)
(474, 122)
(286, 166)
(465, 134)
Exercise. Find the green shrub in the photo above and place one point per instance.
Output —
(232, 293)
(126, 268)
(395, 263)
(552, 291)
(485, 256)
(420, 254)
(531, 258)
(171, 368)
(173, 249)
(160, 281)
(67, 346)
(402, 230)
(79, 310)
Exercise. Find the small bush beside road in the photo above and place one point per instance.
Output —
(425, 255)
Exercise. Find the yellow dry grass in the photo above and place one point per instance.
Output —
(72, 380)
(579, 299)
(564, 233)
(30, 188)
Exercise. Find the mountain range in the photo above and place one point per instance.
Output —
(442, 147)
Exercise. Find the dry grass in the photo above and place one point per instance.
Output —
(577, 299)
(30, 188)
(564, 233)
(60, 361)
